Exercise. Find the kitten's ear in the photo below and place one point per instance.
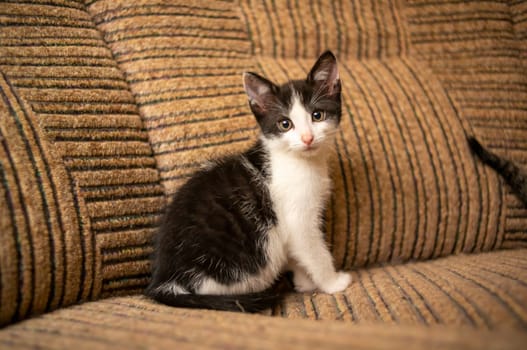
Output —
(258, 89)
(325, 72)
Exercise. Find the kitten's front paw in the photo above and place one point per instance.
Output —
(340, 282)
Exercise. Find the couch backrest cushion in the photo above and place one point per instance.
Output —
(476, 50)
(353, 29)
(80, 192)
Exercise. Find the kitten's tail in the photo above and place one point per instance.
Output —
(254, 302)
(510, 171)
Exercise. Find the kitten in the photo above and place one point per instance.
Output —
(234, 227)
(513, 175)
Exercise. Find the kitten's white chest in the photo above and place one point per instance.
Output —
(299, 189)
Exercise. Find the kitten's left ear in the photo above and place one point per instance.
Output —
(259, 90)
(325, 72)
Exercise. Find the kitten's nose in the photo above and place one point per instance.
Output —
(307, 139)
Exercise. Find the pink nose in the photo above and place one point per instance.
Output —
(307, 139)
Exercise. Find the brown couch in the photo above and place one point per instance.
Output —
(108, 106)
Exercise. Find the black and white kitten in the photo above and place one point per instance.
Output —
(234, 227)
(513, 175)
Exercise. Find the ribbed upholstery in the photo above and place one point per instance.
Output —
(483, 291)
(184, 64)
(478, 53)
(107, 107)
(133, 323)
(353, 29)
(425, 305)
(81, 187)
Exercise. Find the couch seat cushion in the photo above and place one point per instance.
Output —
(135, 323)
(486, 290)
(471, 301)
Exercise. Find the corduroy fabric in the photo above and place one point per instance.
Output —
(485, 290)
(45, 258)
(477, 51)
(184, 64)
(133, 323)
(352, 29)
(453, 294)
(189, 124)
(519, 19)
(109, 106)
(81, 188)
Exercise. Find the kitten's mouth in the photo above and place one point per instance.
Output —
(312, 148)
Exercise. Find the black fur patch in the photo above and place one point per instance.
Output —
(513, 175)
(206, 230)
(254, 302)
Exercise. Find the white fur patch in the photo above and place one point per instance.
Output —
(171, 288)
(300, 186)
(300, 117)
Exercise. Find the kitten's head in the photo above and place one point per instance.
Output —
(300, 116)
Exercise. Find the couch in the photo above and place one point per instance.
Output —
(108, 106)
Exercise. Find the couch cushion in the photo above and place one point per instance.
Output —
(477, 51)
(406, 184)
(79, 187)
(487, 290)
(353, 29)
(466, 302)
(187, 78)
(132, 323)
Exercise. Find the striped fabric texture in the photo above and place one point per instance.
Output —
(133, 323)
(444, 306)
(80, 190)
(478, 54)
(109, 106)
(485, 290)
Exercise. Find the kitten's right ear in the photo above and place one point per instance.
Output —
(258, 89)
(325, 72)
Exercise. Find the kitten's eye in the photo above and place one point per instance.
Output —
(318, 116)
(285, 125)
